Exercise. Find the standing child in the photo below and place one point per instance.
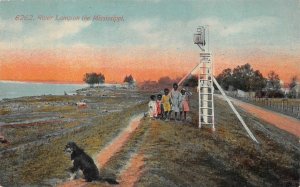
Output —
(152, 107)
(175, 99)
(166, 104)
(159, 106)
(184, 103)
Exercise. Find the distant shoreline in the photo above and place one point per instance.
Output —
(41, 82)
(16, 89)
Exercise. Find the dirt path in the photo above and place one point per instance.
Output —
(131, 174)
(281, 121)
(116, 144)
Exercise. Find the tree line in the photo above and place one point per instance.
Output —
(99, 78)
(247, 79)
(94, 78)
(242, 77)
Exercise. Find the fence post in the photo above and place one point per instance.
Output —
(285, 106)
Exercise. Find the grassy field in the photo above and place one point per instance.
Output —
(175, 153)
(33, 157)
(180, 154)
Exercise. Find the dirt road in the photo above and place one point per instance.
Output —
(132, 173)
(289, 124)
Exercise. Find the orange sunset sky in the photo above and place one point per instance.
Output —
(143, 64)
(154, 38)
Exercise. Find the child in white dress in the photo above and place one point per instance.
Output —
(152, 107)
(175, 96)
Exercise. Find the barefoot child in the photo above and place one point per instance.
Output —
(166, 104)
(184, 103)
(152, 107)
(159, 106)
(175, 97)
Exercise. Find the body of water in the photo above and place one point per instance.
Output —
(12, 89)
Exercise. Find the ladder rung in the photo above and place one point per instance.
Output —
(207, 100)
(203, 123)
(205, 80)
(205, 93)
(205, 86)
(207, 108)
(205, 54)
(207, 115)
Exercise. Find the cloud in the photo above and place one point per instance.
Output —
(151, 1)
(154, 33)
(147, 30)
(10, 25)
(178, 33)
(224, 28)
(239, 35)
(248, 26)
(40, 35)
(54, 31)
(58, 31)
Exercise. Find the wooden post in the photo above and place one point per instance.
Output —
(235, 111)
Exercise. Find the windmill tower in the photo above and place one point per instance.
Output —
(205, 79)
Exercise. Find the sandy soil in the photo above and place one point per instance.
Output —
(116, 144)
(289, 124)
(132, 174)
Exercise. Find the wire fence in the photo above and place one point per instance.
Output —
(290, 107)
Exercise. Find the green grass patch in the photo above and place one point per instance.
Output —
(180, 154)
(49, 161)
(4, 111)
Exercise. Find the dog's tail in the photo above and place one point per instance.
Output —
(109, 180)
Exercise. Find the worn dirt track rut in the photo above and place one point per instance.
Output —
(132, 173)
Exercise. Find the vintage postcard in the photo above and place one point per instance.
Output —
(149, 93)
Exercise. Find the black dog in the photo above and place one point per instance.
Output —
(83, 162)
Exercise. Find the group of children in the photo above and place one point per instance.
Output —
(162, 106)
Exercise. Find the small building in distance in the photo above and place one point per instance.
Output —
(129, 85)
(295, 91)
